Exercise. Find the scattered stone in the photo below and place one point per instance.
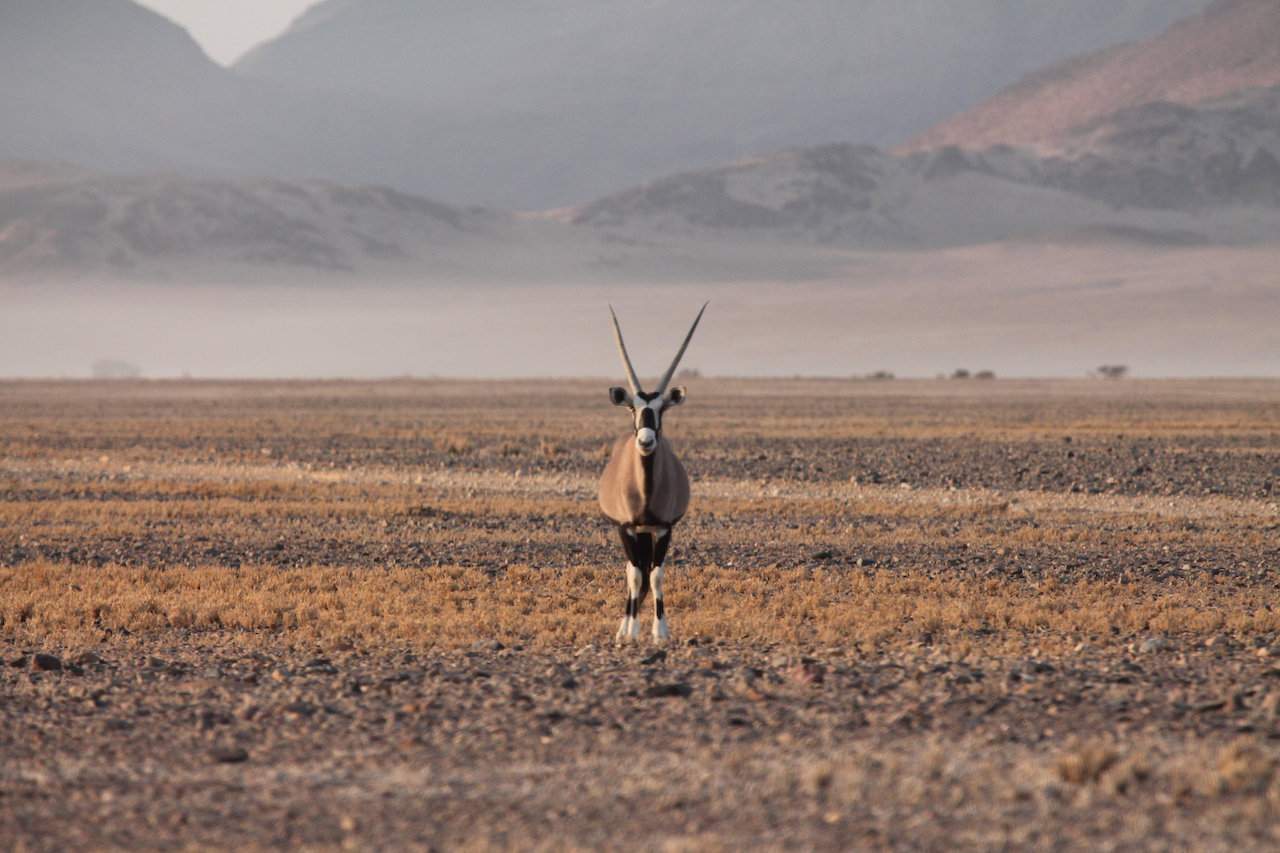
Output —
(229, 754)
(663, 691)
(807, 673)
(655, 657)
(299, 709)
(1151, 645)
(46, 663)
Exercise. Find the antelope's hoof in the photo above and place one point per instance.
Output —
(660, 632)
(627, 632)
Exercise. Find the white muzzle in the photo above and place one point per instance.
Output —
(646, 441)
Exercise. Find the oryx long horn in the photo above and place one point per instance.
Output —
(671, 371)
(632, 380)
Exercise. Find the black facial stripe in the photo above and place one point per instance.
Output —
(647, 419)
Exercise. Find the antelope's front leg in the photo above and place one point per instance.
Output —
(660, 631)
(630, 627)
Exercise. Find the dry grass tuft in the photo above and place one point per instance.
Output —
(1243, 767)
(1085, 764)
(456, 606)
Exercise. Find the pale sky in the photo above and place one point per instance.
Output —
(228, 28)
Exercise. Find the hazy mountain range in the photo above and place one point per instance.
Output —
(1141, 144)
(528, 105)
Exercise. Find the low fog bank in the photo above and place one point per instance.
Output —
(1015, 311)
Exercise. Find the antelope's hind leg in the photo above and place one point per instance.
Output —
(660, 631)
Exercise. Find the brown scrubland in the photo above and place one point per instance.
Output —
(908, 614)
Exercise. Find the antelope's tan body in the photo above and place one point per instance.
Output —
(636, 490)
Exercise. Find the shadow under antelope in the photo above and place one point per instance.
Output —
(644, 489)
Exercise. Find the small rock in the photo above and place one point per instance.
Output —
(807, 672)
(1151, 645)
(663, 691)
(46, 663)
(229, 755)
(656, 657)
(89, 659)
(299, 709)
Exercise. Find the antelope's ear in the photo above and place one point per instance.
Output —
(676, 396)
(619, 396)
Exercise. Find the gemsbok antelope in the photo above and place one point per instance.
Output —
(644, 489)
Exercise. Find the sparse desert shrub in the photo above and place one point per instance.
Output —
(960, 373)
(985, 375)
(549, 449)
(455, 444)
(689, 373)
(1113, 371)
(881, 376)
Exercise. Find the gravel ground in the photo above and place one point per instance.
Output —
(161, 736)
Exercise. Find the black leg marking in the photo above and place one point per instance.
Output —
(660, 549)
(658, 609)
(629, 545)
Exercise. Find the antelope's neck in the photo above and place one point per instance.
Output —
(647, 467)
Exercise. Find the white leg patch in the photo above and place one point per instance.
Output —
(660, 631)
(630, 627)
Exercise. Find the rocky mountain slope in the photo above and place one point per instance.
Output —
(60, 221)
(1233, 46)
(1163, 175)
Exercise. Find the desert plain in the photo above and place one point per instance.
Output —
(380, 615)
